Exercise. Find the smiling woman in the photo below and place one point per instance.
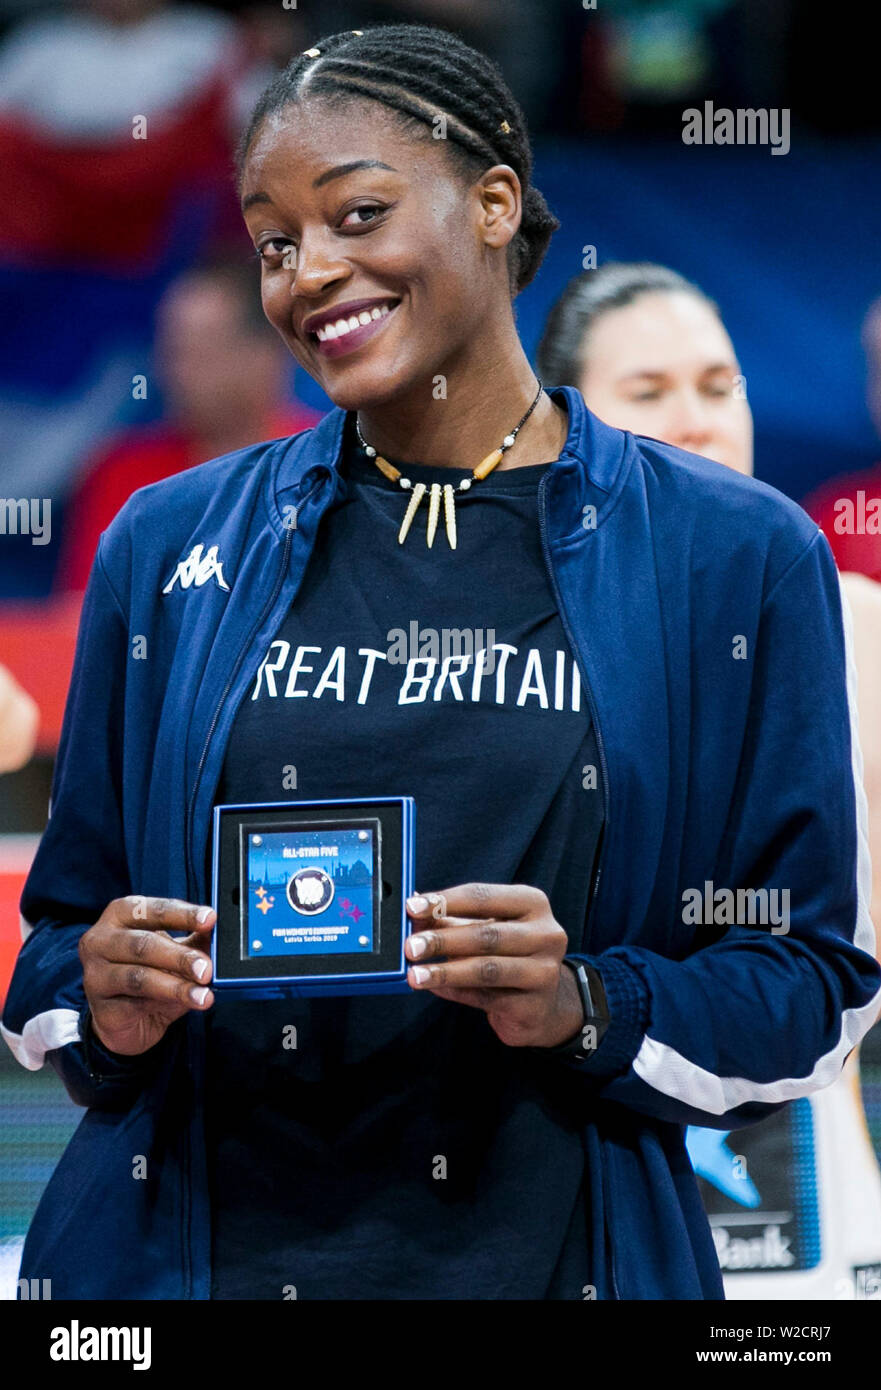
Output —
(668, 656)
(386, 183)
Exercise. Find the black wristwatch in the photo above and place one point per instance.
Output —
(584, 1044)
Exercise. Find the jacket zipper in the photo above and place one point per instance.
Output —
(191, 878)
(604, 769)
(542, 521)
(190, 867)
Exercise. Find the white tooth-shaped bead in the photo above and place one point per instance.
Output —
(450, 514)
(412, 505)
(434, 498)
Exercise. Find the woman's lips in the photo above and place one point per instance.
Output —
(355, 337)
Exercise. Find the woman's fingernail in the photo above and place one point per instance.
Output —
(418, 945)
(417, 904)
(199, 996)
(420, 974)
(204, 913)
(199, 969)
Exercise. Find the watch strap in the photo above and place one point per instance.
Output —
(581, 1047)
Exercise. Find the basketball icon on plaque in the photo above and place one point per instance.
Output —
(310, 896)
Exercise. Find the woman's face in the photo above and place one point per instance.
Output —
(402, 246)
(663, 366)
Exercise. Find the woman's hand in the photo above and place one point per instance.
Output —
(508, 962)
(139, 980)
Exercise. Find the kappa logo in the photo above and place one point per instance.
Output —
(198, 569)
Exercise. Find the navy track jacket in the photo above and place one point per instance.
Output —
(705, 613)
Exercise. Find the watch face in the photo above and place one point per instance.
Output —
(598, 994)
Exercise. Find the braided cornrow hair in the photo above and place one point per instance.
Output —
(424, 73)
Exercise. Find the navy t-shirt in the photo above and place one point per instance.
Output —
(400, 1150)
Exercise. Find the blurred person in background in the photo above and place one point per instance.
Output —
(657, 360)
(223, 372)
(19, 723)
(117, 124)
(864, 597)
(650, 353)
(848, 507)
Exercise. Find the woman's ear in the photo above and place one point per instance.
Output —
(501, 205)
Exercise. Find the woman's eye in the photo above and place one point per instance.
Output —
(369, 208)
(277, 248)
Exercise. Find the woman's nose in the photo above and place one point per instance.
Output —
(316, 267)
(690, 424)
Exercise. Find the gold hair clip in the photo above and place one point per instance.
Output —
(505, 127)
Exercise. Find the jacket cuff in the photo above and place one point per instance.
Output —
(102, 1064)
(628, 1002)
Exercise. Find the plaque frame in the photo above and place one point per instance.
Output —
(380, 970)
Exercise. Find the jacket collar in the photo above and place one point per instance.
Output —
(591, 469)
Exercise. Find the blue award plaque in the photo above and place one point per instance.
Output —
(310, 896)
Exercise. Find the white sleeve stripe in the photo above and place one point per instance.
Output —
(667, 1071)
(41, 1034)
(664, 1069)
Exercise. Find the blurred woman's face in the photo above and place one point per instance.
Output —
(664, 366)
